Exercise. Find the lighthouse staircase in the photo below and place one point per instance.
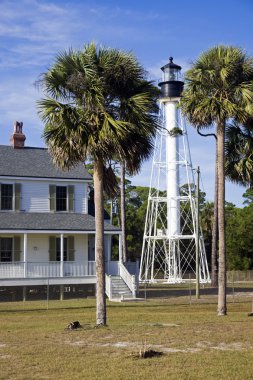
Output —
(119, 289)
(121, 286)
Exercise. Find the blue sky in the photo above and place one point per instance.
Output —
(32, 32)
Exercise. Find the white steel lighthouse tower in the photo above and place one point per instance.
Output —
(169, 242)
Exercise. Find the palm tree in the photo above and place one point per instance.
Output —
(238, 169)
(219, 87)
(81, 117)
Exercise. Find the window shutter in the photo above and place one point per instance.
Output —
(17, 195)
(71, 198)
(52, 248)
(16, 248)
(71, 248)
(52, 197)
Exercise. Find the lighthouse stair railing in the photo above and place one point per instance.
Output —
(129, 279)
(130, 282)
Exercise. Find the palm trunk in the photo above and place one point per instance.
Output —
(123, 210)
(214, 267)
(99, 242)
(222, 306)
(117, 212)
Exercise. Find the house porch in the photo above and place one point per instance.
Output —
(33, 258)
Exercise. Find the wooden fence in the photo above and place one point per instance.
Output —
(239, 276)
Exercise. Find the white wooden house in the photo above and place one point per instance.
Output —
(46, 231)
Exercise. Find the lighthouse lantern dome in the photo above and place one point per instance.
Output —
(172, 85)
(171, 71)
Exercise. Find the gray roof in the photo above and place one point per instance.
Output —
(35, 162)
(49, 221)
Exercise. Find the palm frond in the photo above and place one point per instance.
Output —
(219, 86)
(239, 154)
(98, 104)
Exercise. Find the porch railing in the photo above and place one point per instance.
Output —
(108, 286)
(47, 269)
(128, 278)
(12, 270)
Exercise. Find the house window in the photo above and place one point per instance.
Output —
(91, 248)
(6, 197)
(61, 198)
(10, 196)
(6, 249)
(55, 248)
(58, 249)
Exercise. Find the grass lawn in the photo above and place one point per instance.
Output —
(196, 343)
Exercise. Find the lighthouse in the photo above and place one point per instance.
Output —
(171, 89)
(169, 241)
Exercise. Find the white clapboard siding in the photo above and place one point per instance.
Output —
(35, 195)
(81, 198)
(38, 247)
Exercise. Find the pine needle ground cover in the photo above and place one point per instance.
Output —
(194, 342)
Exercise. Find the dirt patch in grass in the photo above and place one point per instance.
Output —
(134, 345)
(4, 356)
(147, 354)
(201, 346)
(162, 324)
(244, 294)
(230, 347)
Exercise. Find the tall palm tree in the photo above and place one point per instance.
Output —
(219, 87)
(81, 117)
(238, 169)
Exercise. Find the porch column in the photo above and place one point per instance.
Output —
(120, 248)
(109, 248)
(62, 255)
(109, 252)
(25, 255)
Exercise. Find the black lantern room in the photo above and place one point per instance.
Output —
(172, 86)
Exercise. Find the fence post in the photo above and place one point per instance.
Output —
(134, 286)
(233, 287)
(47, 293)
(190, 291)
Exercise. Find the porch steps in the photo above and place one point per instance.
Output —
(120, 290)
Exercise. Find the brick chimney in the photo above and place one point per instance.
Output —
(18, 138)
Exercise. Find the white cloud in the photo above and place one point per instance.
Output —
(33, 30)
